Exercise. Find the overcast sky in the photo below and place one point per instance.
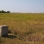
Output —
(22, 5)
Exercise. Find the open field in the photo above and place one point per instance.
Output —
(25, 28)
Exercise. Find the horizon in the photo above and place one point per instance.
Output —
(22, 12)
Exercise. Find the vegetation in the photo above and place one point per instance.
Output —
(4, 11)
(24, 28)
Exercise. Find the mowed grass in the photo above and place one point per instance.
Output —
(25, 28)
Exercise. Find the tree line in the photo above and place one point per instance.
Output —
(2, 11)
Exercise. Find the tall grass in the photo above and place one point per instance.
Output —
(28, 28)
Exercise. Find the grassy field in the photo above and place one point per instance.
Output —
(25, 28)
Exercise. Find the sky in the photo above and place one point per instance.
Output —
(22, 5)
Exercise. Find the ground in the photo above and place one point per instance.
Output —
(24, 28)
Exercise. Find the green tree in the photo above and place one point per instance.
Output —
(8, 11)
(4, 11)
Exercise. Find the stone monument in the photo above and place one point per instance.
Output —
(3, 30)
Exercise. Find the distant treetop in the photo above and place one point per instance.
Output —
(2, 11)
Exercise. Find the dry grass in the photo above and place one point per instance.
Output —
(26, 28)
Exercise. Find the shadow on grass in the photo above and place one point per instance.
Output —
(10, 36)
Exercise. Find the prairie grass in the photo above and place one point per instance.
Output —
(25, 28)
